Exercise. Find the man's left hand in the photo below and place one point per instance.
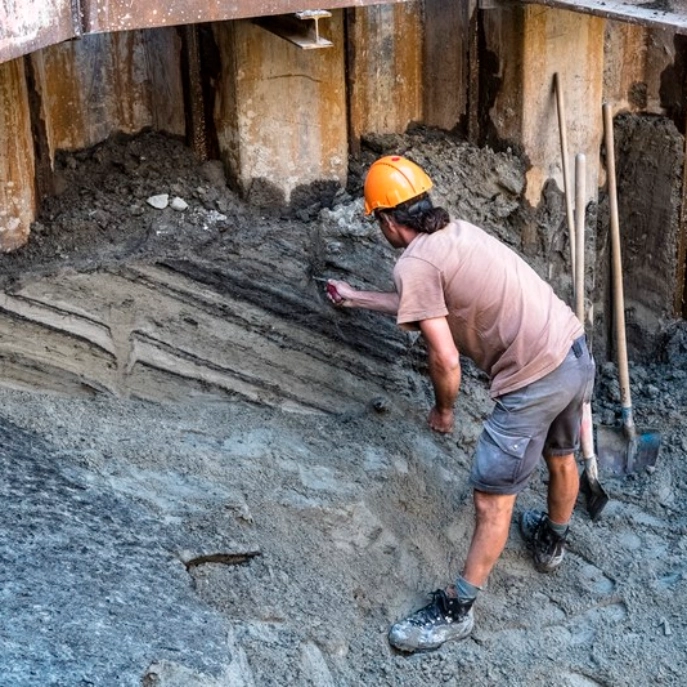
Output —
(441, 420)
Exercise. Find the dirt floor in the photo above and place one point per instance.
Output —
(182, 372)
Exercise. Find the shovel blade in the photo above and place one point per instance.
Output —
(620, 454)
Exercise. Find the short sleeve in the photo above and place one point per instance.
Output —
(421, 292)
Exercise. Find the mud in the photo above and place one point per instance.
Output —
(184, 371)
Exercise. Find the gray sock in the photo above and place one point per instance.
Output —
(465, 590)
(560, 530)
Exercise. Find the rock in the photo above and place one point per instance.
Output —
(159, 202)
(380, 404)
(178, 204)
(667, 631)
(652, 391)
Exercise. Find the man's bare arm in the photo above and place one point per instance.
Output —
(444, 371)
(346, 296)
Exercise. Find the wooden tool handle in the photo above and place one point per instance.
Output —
(618, 296)
(586, 429)
(560, 106)
(580, 202)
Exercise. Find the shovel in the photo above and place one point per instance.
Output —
(563, 134)
(595, 495)
(623, 450)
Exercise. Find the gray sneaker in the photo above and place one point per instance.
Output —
(547, 547)
(444, 619)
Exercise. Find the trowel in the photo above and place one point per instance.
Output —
(622, 450)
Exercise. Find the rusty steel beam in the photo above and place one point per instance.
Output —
(301, 29)
(28, 25)
(665, 14)
(124, 15)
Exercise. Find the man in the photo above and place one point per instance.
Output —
(469, 294)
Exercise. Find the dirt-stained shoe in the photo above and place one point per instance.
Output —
(443, 620)
(547, 547)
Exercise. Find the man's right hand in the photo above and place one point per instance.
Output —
(441, 420)
(343, 295)
(340, 293)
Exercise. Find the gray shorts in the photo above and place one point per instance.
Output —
(542, 418)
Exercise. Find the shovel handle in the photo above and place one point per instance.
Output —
(618, 295)
(562, 130)
(580, 202)
(586, 429)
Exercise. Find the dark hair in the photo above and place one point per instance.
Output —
(419, 214)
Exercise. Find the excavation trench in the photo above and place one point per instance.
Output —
(179, 397)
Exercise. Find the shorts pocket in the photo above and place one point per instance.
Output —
(499, 461)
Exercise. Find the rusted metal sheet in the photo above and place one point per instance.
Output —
(110, 82)
(385, 64)
(281, 117)
(27, 25)
(669, 14)
(124, 15)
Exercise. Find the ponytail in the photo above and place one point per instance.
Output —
(420, 215)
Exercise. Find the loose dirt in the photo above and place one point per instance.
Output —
(255, 465)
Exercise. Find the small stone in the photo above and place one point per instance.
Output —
(667, 631)
(159, 202)
(380, 404)
(178, 204)
(652, 391)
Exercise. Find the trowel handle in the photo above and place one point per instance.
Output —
(618, 295)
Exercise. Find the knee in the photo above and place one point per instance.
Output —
(493, 507)
(562, 465)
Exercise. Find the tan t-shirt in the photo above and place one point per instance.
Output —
(502, 314)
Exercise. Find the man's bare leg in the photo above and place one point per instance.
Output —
(564, 485)
(449, 616)
(493, 514)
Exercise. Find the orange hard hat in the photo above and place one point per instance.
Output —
(392, 180)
